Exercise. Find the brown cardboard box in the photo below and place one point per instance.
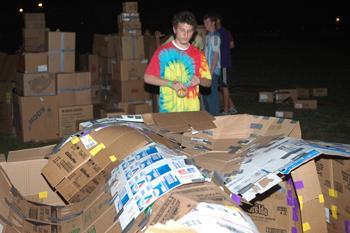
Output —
(83, 158)
(278, 212)
(285, 95)
(130, 7)
(303, 93)
(318, 92)
(136, 108)
(36, 84)
(284, 114)
(74, 88)
(33, 115)
(96, 94)
(129, 28)
(69, 116)
(61, 51)
(128, 91)
(130, 47)
(6, 102)
(150, 45)
(33, 63)
(94, 69)
(310, 197)
(265, 97)
(305, 104)
(129, 70)
(8, 67)
(35, 39)
(34, 20)
(104, 45)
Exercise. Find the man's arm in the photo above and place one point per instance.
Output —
(214, 62)
(205, 82)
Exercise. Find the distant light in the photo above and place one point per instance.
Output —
(337, 19)
(40, 4)
(20, 10)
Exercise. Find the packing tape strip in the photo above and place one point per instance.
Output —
(113, 158)
(97, 149)
(42, 195)
(300, 198)
(321, 198)
(332, 193)
(74, 140)
(334, 211)
(299, 184)
(306, 226)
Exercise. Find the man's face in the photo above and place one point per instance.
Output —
(183, 33)
(209, 25)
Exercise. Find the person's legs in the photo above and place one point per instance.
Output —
(211, 101)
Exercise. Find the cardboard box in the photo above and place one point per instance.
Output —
(278, 212)
(34, 20)
(35, 39)
(130, 47)
(74, 88)
(6, 106)
(128, 91)
(33, 63)
(104, 45)
(8, 67)
(285, 95)
(83, 158)
(284, 114)
(303, 93)
(69, 117)
(305, 104)
(265, 97)
(318, 92)
(33, 115)
(94, 69)
(129, 70)
(36, 84)
(129, 28)
(61, 51)
(130, 7)
(150, 45)
(136, 108)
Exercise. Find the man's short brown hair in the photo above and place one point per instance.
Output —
(185, 17)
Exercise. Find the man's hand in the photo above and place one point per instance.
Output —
(195, 81)
(178, 86)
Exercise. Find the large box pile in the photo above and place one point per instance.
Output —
(49, 91)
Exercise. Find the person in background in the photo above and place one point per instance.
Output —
(212, 53)
(178, 68)
(227, 44)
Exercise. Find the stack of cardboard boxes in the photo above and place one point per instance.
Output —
(47, 84)
(301, 98)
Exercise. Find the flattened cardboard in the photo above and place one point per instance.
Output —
(305, 104)
(180, 122)
(318, 92)
(266, 97)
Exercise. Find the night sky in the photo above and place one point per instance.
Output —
(241, 17)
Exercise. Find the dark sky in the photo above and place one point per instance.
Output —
(88, 17)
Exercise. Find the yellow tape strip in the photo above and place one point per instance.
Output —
(332, 193)
(42, 195)
(113, 158)
(334, 211)
(306, 226)
(300, 198)
(97, 149)
(74, 140)
(321, 198)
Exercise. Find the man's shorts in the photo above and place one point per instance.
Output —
(225, 77)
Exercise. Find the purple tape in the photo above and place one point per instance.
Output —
(290, 198)
(295, 214)
(294, 230)
(295, 202)
(347, 226)
(236, 198)
(299, 184)
(289, 181)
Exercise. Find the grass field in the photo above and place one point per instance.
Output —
(266, 64)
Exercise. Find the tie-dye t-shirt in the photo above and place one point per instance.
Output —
(172, 63)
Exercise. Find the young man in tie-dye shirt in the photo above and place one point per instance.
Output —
(179, 68)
